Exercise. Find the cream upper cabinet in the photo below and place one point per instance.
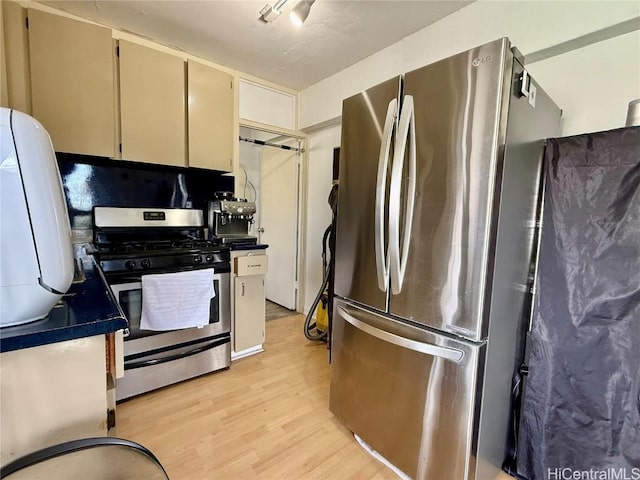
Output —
(152, 110)
(211, 117)
(72, 83)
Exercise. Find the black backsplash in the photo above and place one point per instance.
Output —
(96, 181)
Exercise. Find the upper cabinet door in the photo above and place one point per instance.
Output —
(72, 83)
(211, 119)
(152, 110)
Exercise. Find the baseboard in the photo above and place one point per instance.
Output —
(246, 352)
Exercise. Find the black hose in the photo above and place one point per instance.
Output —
(309, 325)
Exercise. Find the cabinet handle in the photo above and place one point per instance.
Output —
(243, 289)
(129, 365)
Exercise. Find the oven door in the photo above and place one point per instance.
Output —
(129, 297)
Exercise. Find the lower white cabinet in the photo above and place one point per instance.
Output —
(250, 312)
(248, 300)
(52, 394)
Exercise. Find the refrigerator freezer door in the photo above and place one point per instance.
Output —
(458, 119)
(361, 266)
(406, 392)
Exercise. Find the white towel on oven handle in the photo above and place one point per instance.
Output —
(172, 301)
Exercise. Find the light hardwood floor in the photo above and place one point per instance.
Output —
(274, 311)
(266, 417)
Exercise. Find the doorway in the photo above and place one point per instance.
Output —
(270, 175)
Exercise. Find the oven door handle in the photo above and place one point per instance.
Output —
(177, 356)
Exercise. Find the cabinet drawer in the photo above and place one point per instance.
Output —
(250, 265)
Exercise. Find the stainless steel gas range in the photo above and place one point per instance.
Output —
(136, 245)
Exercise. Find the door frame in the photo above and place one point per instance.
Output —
(301, 234)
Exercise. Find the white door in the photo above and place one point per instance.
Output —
(278, 221)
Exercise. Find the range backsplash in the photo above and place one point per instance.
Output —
(96, 181)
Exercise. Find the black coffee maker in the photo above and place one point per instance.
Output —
(230, 219)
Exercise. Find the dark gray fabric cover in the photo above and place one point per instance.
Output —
(581, 406)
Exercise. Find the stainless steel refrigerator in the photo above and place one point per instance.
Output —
(439, 195)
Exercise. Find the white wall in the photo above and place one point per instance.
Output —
(592, 85)
(531, 26)
(320, 172)
(250, 162)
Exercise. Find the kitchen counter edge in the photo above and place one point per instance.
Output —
(259, 246)
(87, 309)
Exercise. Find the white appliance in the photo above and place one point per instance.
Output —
(36, 254)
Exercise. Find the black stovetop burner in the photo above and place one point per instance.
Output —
(148, 240)
(156, 246)
(161, 256)
(144, 258)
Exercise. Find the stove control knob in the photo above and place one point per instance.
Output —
(197, 259)
(130, 264)
(146, 263)
(209, 258)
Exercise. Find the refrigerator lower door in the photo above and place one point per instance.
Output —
(407, 392)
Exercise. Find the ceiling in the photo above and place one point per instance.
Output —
(337, 33)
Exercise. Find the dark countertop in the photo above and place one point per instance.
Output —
(87, 309)
(259, 246)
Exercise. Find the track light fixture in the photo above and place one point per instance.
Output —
(300, 12)
(270, 12)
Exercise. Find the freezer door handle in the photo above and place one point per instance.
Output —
(427, 348)
(382, 257)
(406, 138)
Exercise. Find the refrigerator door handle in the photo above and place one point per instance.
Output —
(382, 258)
(427, 348)
(406, 137)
